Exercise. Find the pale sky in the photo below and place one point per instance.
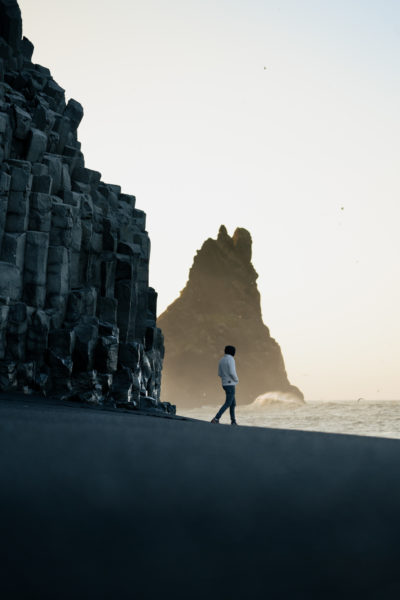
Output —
(305, 153)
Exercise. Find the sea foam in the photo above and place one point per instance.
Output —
(271, 398)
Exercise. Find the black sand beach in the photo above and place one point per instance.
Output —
(97, 504)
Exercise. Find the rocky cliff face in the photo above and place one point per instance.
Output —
(77, 317)
(220, 305)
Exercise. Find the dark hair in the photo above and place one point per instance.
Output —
(230, 350)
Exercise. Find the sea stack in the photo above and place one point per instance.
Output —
(220, 305)
(77, 316)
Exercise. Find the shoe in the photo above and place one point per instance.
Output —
(214, 420)
(233, 423)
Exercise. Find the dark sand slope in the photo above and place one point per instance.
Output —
(107, 505)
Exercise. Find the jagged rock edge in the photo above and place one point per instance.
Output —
(77, 316)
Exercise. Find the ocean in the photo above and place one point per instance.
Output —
(360, 417)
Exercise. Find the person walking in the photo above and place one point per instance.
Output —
(229, 380)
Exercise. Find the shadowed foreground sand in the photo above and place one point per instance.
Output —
(98, 504)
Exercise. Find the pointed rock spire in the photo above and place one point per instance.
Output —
(220, 305)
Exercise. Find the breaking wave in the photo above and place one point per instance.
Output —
(273, 398)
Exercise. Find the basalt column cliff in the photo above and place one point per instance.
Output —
(220, 305)
(77, 318)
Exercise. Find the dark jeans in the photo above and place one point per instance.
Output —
(230, 403)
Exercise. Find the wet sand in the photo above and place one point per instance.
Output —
(97, 504)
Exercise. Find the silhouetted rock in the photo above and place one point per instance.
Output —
(220, 305)
(74, 252)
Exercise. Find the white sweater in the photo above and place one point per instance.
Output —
(227, 370)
